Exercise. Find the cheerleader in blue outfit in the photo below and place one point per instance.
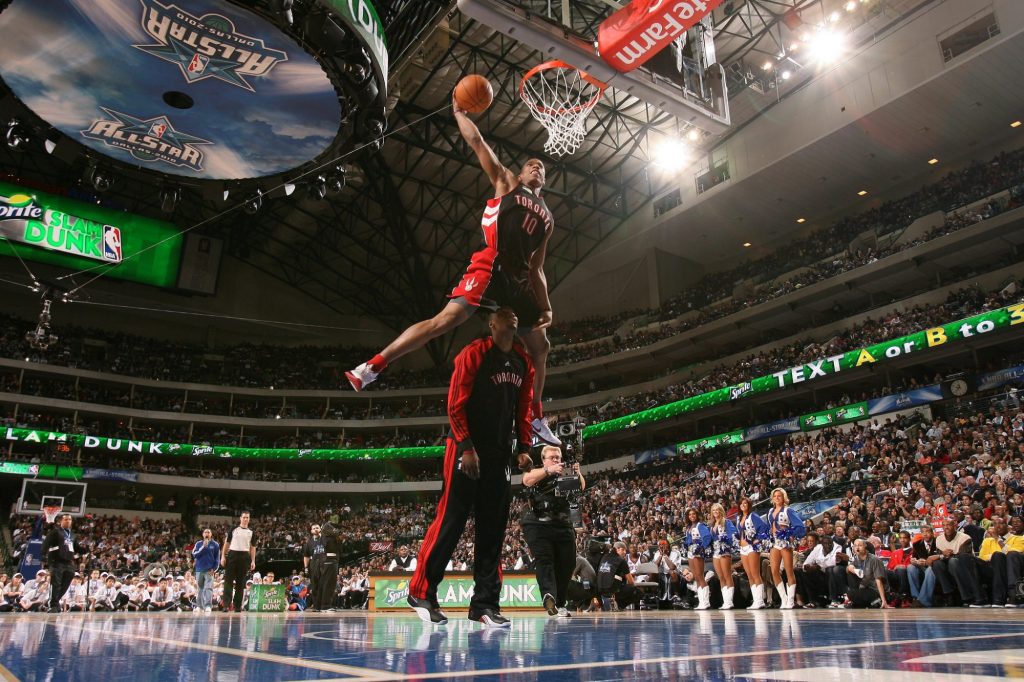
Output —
(697, 540)
(753, 540)
(723, 545)
(786, 528)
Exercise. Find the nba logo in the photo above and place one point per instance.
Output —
(157, 130)
(111, 244)
(198, 63)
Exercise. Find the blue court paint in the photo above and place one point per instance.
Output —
(820, 646)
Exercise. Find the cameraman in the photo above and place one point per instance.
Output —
(548, 526)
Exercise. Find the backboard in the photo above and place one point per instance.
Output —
(39, 492)
(686, 81)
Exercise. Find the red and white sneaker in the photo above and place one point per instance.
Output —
(543, 432)
(361, 377)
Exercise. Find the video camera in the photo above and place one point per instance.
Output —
(567, 486)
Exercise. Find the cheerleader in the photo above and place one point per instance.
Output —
(723, 545)
(786, 528)
(698, 550)
(753, 539)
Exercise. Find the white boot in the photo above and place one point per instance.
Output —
(727, 593)
(783, 595)
(791, 595)
(703, 598)
(757, 591)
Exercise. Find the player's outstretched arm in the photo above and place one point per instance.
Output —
(502, 178)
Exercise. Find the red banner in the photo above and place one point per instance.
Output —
(643, 28)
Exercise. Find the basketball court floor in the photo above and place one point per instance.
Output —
(813, 646)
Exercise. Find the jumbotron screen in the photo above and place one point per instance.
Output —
(78, 236)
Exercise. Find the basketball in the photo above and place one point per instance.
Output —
(474, 93)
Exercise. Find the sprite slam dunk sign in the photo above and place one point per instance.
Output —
(69, 233)
(25, 219)
(518, 591)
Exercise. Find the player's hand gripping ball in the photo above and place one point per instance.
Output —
(474, 94)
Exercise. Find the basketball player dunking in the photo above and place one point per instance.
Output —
(507, 271)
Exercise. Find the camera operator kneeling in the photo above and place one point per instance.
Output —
(614, 578)
(548, 526)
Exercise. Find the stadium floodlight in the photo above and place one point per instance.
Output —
(252, 206)
(826, 46)
(318, 188)
(336, 180)
(670, 154)
(169, 197)
(283, 9)
(18, 136)
(100, 179)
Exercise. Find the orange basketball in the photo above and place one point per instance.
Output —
(474, 93)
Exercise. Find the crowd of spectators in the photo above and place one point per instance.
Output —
(820, 256)
(702, 378)
(709, 308)
(961, 303)
(887, 473)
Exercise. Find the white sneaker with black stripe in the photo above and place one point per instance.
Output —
(544, 433)
(490, 618)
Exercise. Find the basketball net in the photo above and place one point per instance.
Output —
(50, 512)
(561, 97)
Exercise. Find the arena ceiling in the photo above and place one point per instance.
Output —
(395, 239)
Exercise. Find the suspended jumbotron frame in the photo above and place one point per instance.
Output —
(199, 93)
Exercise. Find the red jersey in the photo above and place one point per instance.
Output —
(489, 399)
(515, 224)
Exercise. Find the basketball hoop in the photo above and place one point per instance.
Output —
(561, 97)
(51, 511)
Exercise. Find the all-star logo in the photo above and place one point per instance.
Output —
(152, 139)
(207, 46)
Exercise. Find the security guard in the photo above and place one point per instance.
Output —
(327, 583)
(59, 550)
(313, 563)
(548, 529)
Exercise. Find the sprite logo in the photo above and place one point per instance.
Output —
(397, 594)
(19, 206)
(24, 220)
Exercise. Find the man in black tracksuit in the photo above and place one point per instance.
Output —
(327, 585)
(59, 550)
(488, 408)
(313, 562)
